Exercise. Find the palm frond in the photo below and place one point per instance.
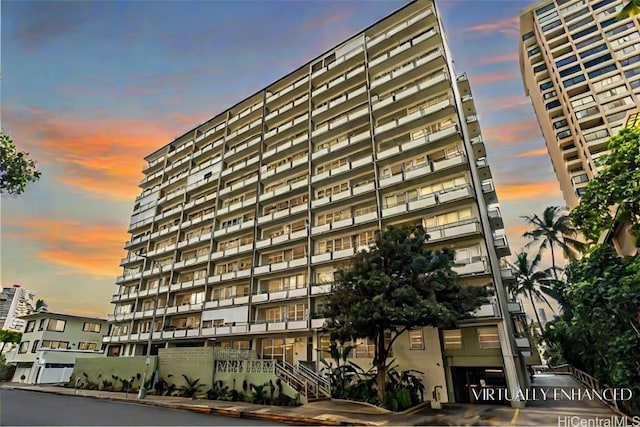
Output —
(630, 9)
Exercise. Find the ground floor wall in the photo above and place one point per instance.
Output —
(50, 367)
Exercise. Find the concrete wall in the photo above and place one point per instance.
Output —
(123, 367)
(234, 373)
(194, 362)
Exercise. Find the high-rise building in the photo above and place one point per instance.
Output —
(581, 69)
(242, 221)
(15, 302)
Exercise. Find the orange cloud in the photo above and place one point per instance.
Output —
(534, 153)
(497, 59)
(79, 248)
(512, 132)
(103, 157)
(84, 312)
(504, 103)
(528, 190)
(509, 27)
(493, 77)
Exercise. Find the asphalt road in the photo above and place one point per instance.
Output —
(25, 408)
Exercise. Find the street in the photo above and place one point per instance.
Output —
(24, 408)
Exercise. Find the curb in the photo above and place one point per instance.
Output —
(286, 419)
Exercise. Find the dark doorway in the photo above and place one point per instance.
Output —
(479, 385)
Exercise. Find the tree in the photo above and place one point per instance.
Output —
(616, 188)
(16, 168)
(529, 281)
(600, 333)
(630, 9)
(7, 336)
(395, 286)
(552, 230)
(41, 304)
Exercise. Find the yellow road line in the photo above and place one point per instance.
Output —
(515, 417)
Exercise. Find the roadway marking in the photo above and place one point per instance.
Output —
(515, 417)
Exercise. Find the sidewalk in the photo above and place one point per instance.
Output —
(329, 412)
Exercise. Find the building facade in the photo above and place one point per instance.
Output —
(581, 69)
(50, 344)
(15, 302)
(242, 222)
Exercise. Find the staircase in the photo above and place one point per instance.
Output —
(304, 380)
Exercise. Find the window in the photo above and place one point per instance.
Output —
(550, 94)
(91, 327)
(55, 345)
(274, 315)
(597, 61)
(325, 345)
(488, 338)
(601, 4)
(552, 104)
(31, 325)
(416, 339)
(527, 36)
(593, 51)
(545, 9)
(566, 61)
(35, 346)
(584, 32)
(82, 345)
(573, 81)
(563, 134)
(589, 41)
(296, 311)
(42, 323)
(582, 23)
(452, 339)
(56, 325)
(533, 51)
(559, 124)
(601, 71)
(539, 68)
(546, 85)
(570, 70)
(24, 346)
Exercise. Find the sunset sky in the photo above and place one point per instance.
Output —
(90, 88)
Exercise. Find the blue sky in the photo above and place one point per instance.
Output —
(90, 88)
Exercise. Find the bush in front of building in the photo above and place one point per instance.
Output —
(6, 371)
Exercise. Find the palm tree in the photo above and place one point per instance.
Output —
(553, 229)
(530, 281)
(630, 9)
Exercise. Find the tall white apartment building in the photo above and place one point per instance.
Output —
(242, 221)
(581, 69)
(15, 301)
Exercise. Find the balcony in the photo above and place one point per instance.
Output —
(390, 80)
(404, 52)
(234, 228)
(279, 266)
(236, 150)
(283, 213)
(422, 170)
(187, 284)
(286, 147)
(507, 274)
(226, 302)
(240, 205)
(384, 40)
(256, 124)
(488, 310)
(489, 192)
(242, 166)
(318, 323)
(340, 62)
(279, 295)
(515, 307)
(351, 192)
(344, 223)
(284, 238)
(285, 189)
(495, 218)
(331, 129)
(336, 255)
(501, 245)
(418, 142)
(350, 166)
(483, 169)
(477, 145)
(279, 326)
(472, 267)
(289, 166)
(321, 289)
(231, 251)
(288, 128)
(340, 84)
(349, 142)
(406, 97)
(340, 105)
(453, 230)
(523, 343)
(303, 82)
(401, 125)
(217, 278)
